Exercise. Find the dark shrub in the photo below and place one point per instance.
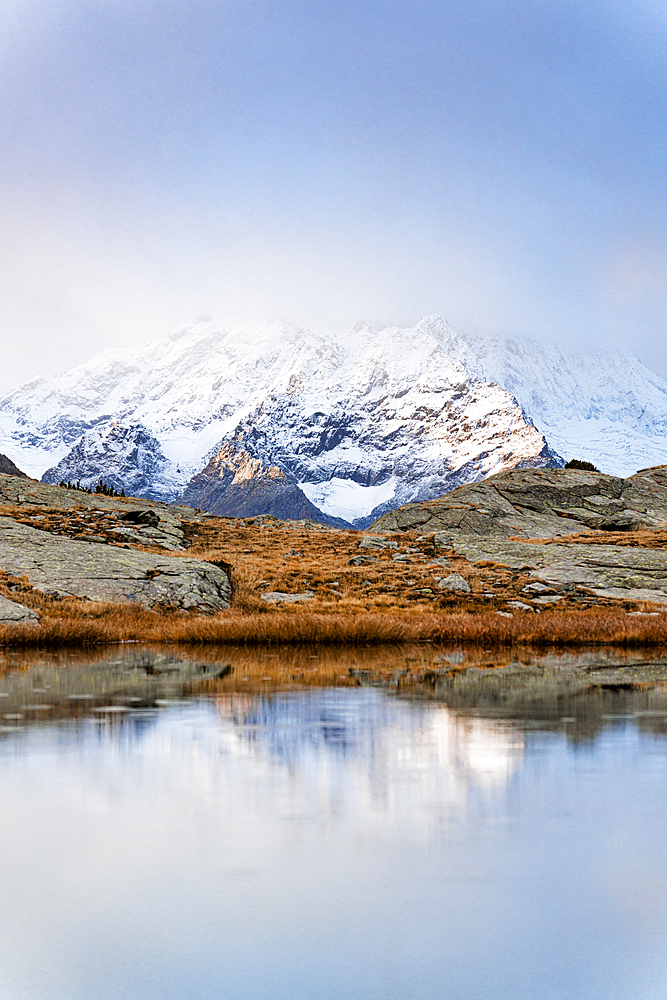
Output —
(574, 463)
(148, 517)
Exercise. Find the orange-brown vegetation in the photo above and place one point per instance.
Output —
(78, 623)
(643, 538)
(379, 601)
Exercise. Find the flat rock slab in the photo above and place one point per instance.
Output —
(635, 574)
(163, 526)
(168, 535)
(13, 613)
(75, 568)
(279, 596)
(539, 503)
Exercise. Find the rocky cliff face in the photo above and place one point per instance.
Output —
(9, 469)
(235, 485)
(128, 458)
(355, 425)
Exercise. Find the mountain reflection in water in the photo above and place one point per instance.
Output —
(331, 843)
(384, 763)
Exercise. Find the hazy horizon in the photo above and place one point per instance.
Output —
(503, 167)
(259, 330)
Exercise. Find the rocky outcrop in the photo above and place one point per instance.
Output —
(541, 503)
(455, 582)
(377, 542)
(13, 613)
(8, 468)
(626, 572)
(150, 523)
(162, 532)
(32, 492)
(486, 522)
(67, 567)
(235, 485)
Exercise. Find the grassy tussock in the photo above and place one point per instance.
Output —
(571, 629)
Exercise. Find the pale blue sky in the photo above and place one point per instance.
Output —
(502, 164)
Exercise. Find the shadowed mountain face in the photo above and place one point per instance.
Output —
(236, 485)
(9, 469)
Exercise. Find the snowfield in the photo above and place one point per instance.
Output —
(349, 500)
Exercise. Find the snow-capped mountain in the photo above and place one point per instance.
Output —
(130, 457)
(349, 427)
(356, 425)
(606, 408)
(383, 421)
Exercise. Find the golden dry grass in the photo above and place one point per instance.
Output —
(643, 538)
(104, 624)
(378, 602)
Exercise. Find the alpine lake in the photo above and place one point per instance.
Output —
(410, 822)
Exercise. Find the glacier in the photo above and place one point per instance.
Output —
(348, 500)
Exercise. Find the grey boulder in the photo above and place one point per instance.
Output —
(360, 560)
(376, 542)
(455, 582)
(54, 563)
(13, 613)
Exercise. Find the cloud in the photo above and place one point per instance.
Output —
(254, 159)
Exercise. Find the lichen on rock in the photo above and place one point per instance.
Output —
(106, 573)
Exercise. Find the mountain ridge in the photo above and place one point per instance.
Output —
(357, 424)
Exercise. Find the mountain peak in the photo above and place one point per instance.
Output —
(356, 423)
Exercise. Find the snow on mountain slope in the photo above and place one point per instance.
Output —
(187, 390)
(349, 500)
(128, 458)
(606, 408)
(362, 422)
(359, 423)
(391, 424)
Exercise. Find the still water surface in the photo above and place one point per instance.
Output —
(333, 843)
